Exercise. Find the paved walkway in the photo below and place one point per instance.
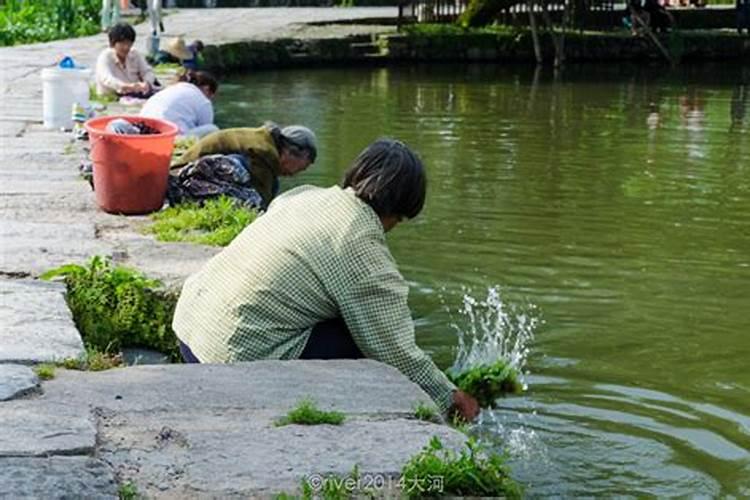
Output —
(175, 431)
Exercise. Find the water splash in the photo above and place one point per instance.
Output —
(522, 443)
(495, 330)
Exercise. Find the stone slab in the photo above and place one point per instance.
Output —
(16, 380)
(37, 325)
(172, 263)
(56, 478)
(350, 386)
(42, 429)
(36, 247)
(243, 454)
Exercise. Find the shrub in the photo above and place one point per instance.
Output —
(28, 21)
(115, 307)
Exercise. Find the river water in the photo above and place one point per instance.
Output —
(616, 202)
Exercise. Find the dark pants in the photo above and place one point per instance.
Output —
(329, 339)
(187, 354)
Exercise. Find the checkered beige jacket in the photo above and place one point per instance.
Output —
(316, 254)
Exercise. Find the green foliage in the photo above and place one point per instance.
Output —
(424, 412)
(437, 471)
(128, 491)
(483, 12)
(306, 413)
(460, 424)
(488, 382)
(115, 307)
(29, 21)
(217, 222)
(45, 371)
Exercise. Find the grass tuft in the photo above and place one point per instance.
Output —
(306, 413)
(45, 371)
(216, 223)
(424, 412)
(437, 471)
(128, 491)
(487, 383)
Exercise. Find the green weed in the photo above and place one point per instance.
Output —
(487, 383)
(45, 371)
(438, 471)
(128, 491)
(306, 413)
(114, 307)
(216, 223)
(424, 412)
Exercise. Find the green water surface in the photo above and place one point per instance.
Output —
(615, 199)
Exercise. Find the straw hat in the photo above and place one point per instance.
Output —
(176, 47)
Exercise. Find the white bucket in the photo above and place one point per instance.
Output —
(61, 87)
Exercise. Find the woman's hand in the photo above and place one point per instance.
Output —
(465, 406)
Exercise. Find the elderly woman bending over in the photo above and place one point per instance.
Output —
(266, 153)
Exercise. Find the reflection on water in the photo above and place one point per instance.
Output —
(617, 200)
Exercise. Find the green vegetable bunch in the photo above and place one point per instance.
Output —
(487, 383)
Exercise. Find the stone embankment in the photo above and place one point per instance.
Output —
(173, 431)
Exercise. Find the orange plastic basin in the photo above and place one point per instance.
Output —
(130, 171)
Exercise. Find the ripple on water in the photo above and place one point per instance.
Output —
(612, 440)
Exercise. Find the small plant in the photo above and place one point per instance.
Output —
(437, 471)
(424, 412)
(487, 383)
(114, 307)
(306, 413)
(128, 491)
(93, 360)
(460, 424)
(217, 222)
(45, 371)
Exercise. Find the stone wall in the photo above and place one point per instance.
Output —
(490, 47)
(284, 53)
(578, 47)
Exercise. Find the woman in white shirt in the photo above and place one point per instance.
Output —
(187, 104)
